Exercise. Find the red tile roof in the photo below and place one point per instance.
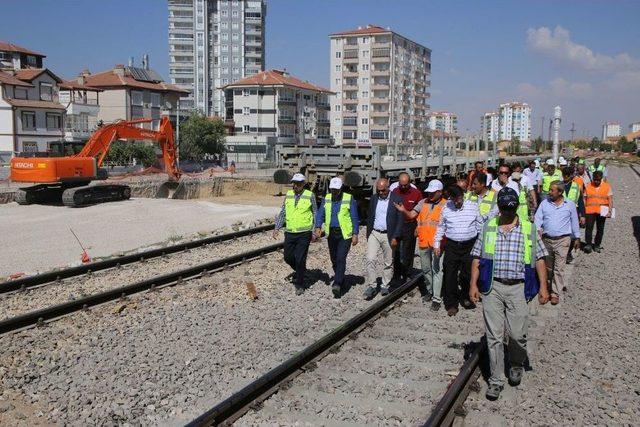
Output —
(369, 29)
(9, 79)
(75, 85)
(35, 104)
(276, 78)
(28, 74)
(109, 80)
(10, 47)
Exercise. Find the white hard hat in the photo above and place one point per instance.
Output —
(537, 162)
(434, 185)
(550, 162)
(563, 162)
(298, 177)
(335, 183)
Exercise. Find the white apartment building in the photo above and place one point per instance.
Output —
(490, 127)
(82, 103)
(31, 118)
(444, 121)
(274, 107)
(611, 130)
(634, 127)
(515, 121)
(381, 81)
(211, 44)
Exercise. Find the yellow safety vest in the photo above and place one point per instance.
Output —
(574, 193)
(486, 204)
(548, 179)
(344, 215)
(298, 217)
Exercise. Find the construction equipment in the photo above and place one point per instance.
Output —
(67, 178)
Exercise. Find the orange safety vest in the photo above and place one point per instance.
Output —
(428, 220)
(594, 197)
(578, 180)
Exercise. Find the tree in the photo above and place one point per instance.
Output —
(538, 145)
(515, 145)
(626, 146)
(201, 136)
(124, 153)
(595, 143)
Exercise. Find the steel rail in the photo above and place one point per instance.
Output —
(237, 404)
(635, 170)
(39, 316)
(444, 412)
(51, 276)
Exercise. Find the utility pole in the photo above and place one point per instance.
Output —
(572, 130)
(441, 155)
(557, 112)
(549, 138)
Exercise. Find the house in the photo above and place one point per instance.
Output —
(31, 117)
(14, 57)
(130, 93)
(82, 103)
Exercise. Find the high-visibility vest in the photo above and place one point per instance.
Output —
(489, 237)
(578, 180)
(574, 193)
(428, 220)
(486, 204)
(593, 168)
(523, 205)
(344, 215)
(548, 179)
(298, 217)
(594, 197)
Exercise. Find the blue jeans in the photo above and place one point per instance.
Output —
(338, 251)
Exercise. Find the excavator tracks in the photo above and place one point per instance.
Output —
(91, 194)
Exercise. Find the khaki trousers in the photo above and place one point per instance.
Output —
(376, 244)
(557, 261)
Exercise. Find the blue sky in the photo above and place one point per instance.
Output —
(583, 55)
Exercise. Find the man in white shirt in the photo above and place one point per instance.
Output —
(533, 175)
(504, 173)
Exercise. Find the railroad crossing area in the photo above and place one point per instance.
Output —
(210, 331)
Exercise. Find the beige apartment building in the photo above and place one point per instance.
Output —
(274, 107)
(381, 81)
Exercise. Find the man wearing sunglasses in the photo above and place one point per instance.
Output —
(384, 230)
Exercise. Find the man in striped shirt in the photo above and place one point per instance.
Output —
(460, 223)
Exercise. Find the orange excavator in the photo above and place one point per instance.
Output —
(68, 178)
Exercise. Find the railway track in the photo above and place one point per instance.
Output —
(89, 268)
(396, 362)
(633, 168)
(39, 317)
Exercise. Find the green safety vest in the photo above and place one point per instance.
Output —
(298, 217)
(344, 215)
(489, 236)
(486, 204)
(574, 193)
(548, 179)
(600, 168)
(523, 206)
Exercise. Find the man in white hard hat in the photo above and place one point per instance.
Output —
(550, 175)
(297, 215)
(338, 216)
(428, 213)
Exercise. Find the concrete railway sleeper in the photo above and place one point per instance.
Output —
(336, 380)
(38, 317)
(52, 276)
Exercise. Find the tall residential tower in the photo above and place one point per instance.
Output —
(381, 81)
(211, 44)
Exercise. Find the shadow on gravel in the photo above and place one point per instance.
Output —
(350, 281)
(635, 222)
(314, 276)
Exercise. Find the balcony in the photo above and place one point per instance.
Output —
(380, 86)
(349, 134)
(286, 101)
(383, 73)
(377, 100)
(286, 120)
(253, 42)
(349, 73)
(381, 53)
(323, 122)
(253, 54)
(350, 121)
(379, 113)
(323, 106)
(350, 101)
(350, 60)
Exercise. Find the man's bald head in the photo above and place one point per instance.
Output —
(382, 184)
(404, 179)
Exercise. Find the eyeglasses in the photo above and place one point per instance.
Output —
(503, 173)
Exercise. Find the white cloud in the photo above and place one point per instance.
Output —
(557, 44)
(557, 89)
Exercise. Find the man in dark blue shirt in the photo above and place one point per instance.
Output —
(338, 216)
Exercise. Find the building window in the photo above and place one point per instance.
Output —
(365, 121)
(224, 48)
(225, 59)
(235, 36)
(136, 98)
(365, 53)
(30, 147)
(28, 120)
(338, 107)
(224, 25)
(365, 67)
(338, 82)
(20, 93)
(338, 54)
(225, 13)
(54, 121)
(365, 94)
(46, 92)
(365, 107)
(31, 60)
(225, 36)
(235, 26)
(337, 120)
(234, 13)
(236, 70)
(236, 59)
(245, 92)
(246, 111)
(245, 128)
(156, 100)
(338, 67)
(365, 80)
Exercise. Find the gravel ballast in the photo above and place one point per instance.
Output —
(586, 369)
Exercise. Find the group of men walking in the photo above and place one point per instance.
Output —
(502, 240)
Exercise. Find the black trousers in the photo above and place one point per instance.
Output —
(296, 248)
(338, 251)
(598, 221)
(403, 256)
(456, 272)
